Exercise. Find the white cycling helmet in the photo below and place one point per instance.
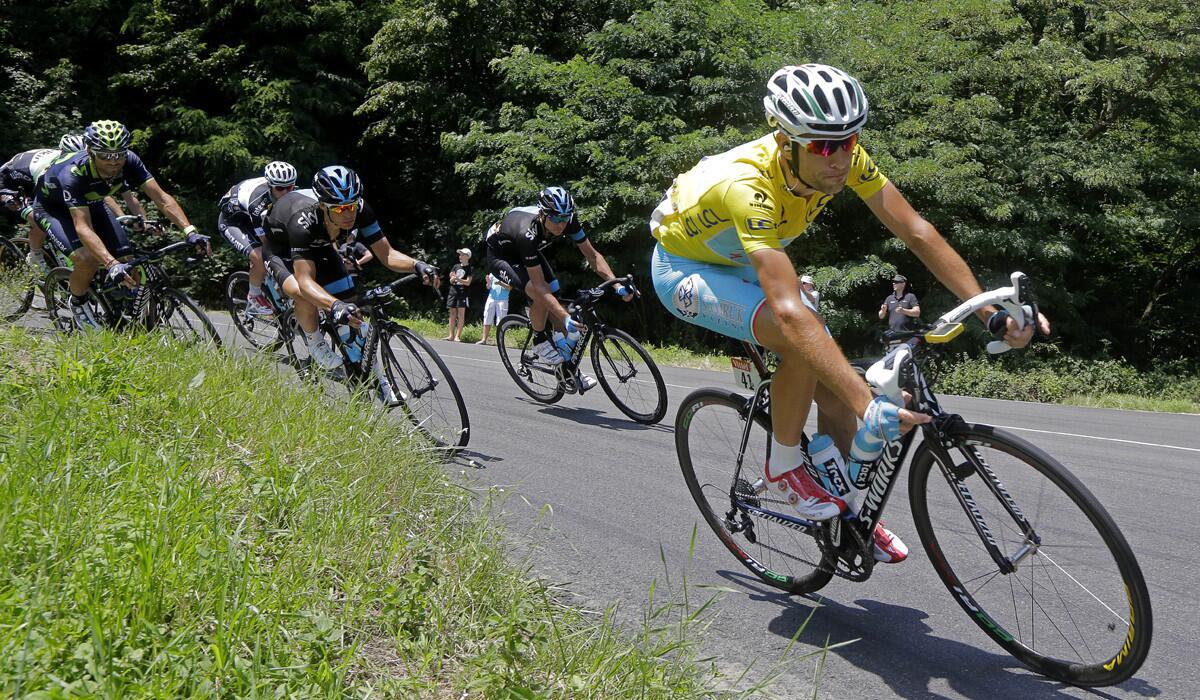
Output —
(280, 174)
(815, 99)
(71, 143)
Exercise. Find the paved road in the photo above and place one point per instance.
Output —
(595, 498)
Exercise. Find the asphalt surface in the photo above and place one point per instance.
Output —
(596, 506)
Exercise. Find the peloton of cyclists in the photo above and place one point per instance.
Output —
(515, 257)
(69, 204)
(304, 231)
(719, 263)
(240, 221)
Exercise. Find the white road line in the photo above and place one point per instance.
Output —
(1097, 437)
(497, 362)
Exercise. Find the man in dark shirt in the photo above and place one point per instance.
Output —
(456, 295)
(901, 307)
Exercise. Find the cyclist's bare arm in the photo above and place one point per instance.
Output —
(894, 211)
(394, 260)
(540, 290)
(166, 204)
(113, 206)
(134, 205)
(82, 218)
(598, 262)
(305, 272)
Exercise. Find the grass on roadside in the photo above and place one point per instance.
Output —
(176, 523)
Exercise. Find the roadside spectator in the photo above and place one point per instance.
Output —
(456, 294)
(496, 306)
(810, 290)
(901, 307)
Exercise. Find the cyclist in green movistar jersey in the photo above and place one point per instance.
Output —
(70, 205)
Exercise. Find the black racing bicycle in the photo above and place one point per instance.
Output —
(623, 368)
(153, 303)
(384, 351)
(262, 332)
(18, 279)
(1022, 545)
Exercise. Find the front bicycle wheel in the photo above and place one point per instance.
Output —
(514, 340)
(56, 290)
(259, 331)
(1068, 599)
(183, 319)
(18, 279)
(629, 376)
(428, 393)
(737, 505)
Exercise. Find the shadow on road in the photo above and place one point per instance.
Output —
(895, 644)
(590, 416)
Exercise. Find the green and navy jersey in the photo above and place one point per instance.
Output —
(72, 181)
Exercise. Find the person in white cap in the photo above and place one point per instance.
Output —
(456, 294)
(810, 290)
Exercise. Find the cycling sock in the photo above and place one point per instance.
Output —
(314, 338)
(784, 457)
(77, 300)
(539, 336)
(254, 290)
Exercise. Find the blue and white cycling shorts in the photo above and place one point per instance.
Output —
(721, 298)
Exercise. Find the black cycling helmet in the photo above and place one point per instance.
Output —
(337, 184)
(556, 202)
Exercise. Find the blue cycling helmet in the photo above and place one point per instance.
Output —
(556, 202)
(337, 184)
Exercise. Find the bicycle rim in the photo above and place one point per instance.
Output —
(17, 280)
(429, 394)
(708, 432)
(57, 292)
(183, 320)
(1076, 608)
(261, 332)
(629, 376)
(514, 340)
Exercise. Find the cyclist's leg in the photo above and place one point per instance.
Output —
(37, 234)
(63, 236)
(538, 310)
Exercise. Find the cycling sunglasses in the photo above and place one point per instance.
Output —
(560, 218)
(827, 147)
(342, 208)
(283, 188)
(110, 155)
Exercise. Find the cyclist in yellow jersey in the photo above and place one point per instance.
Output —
(719, 263)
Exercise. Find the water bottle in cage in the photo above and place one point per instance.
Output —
(353, 345)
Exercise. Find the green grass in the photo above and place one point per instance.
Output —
(1134, 403)
(176, 523)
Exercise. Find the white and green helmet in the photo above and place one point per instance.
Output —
(815, 99)
(107, 135)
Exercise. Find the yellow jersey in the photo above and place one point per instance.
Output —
(734, 203)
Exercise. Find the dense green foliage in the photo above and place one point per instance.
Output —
(183, 524)
(1060, 137)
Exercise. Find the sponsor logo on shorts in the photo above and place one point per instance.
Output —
(686, 301)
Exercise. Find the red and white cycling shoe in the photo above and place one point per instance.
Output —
(889, 549)
(809, 499)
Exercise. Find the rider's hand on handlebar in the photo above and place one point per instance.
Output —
(1011, 334)
(199, 240)
(627, 292)
(428, 274)
(344, 313)
(118, 272)
(571, 325)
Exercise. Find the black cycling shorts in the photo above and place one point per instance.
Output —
(517, 276)
(243, 241)
(331, 275)
(61, 227)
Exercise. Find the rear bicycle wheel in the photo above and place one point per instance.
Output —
(1075, 606)
(261, 332)
(629, 376)
(18, 280)
(708, 432)
(183, 319)
(430, 396)
(514, 340)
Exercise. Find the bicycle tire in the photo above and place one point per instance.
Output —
(18, 279)
(514, 338)
(707, 449)
(1119, 649)
(262, 333)
(433, 404)
(618, 366)
(56, 291)
(183, 319)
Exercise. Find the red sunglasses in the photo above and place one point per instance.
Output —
(827, 147)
